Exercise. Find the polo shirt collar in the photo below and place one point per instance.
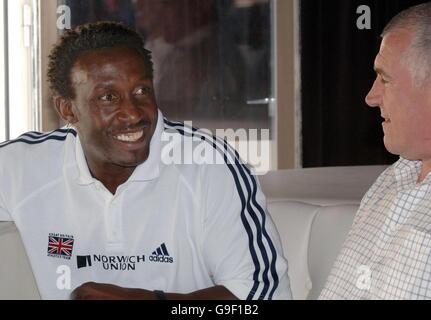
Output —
(149, 170)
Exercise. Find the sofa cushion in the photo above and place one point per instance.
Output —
(16, 276)
(328, 231)
(294, 220)
(311, 237)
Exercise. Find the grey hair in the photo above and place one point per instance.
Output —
(418, 56)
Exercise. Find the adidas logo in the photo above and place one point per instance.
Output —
(161, 254)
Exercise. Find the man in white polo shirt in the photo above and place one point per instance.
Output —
(97, 200)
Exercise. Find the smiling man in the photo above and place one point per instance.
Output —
(387, 254)
(97, 198)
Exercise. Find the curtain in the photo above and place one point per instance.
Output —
(337, 72)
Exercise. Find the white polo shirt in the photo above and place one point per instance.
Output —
(171, 227)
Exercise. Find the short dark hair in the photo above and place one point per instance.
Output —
(89, 37)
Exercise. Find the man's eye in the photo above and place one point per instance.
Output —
(383, 80)
(109, 97)
(143, 91)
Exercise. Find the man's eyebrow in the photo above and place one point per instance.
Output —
(110, 84)
(104, 85)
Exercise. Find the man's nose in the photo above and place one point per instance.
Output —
(374, 97)
(130, 111)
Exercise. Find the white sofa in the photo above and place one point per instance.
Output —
(312, 208)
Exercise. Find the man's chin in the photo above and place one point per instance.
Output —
(405, 153)
(129, 163)
(390, 146)
(130, 160)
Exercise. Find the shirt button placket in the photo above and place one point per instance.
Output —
(115, 220)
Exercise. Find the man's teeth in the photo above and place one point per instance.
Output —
(130, 137)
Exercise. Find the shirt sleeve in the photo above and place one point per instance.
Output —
(242, 247)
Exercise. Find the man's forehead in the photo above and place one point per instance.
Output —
(395, 43)
(392, 49)
(105, 59)
(79, 76)
(107, 64)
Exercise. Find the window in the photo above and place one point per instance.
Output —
(19, 63)
(4, 131)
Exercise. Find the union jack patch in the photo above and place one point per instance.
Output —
(60, 246)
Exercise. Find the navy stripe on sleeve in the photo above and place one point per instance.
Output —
(37, 138)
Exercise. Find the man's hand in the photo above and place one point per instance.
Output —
(99, 291)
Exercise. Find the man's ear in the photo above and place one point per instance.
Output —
(65, 109)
